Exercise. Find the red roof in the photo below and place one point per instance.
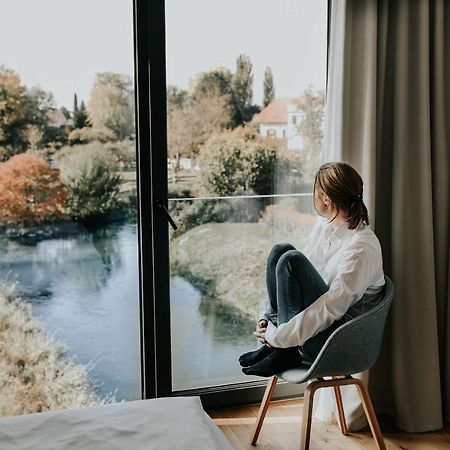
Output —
(275, 111)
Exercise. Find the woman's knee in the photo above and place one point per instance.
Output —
(293, 259)
(279, 250)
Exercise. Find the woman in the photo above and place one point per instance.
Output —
(338, 276)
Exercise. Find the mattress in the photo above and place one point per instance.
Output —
(177, 423)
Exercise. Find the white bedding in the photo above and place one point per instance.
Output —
(161, 424)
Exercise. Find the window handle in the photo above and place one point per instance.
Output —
(168, 216)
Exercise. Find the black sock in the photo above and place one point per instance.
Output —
(279, 360)
(250, 358)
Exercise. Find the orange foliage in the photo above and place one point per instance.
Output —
(30, 191)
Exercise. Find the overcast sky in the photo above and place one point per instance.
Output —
(61, 44)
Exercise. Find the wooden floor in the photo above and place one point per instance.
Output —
(281, 431)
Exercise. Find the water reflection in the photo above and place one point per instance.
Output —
(84, 288)
(224, 323)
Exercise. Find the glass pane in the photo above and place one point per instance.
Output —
(246, 93)
(69, 301)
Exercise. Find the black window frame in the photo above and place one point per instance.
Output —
(154, 272)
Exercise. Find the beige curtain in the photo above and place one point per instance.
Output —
(389, 116)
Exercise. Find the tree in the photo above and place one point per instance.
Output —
(75, 104)
(242, 90)
(91, 176)
(189, 128)
(112, 104)
(212, 82)
(180, 136)
(14, 113)
(40, 103)
(30, 191)
(311, 130)
(269, 88)
(176, 98)
(34, 137)
(80, 116)
(237, 162)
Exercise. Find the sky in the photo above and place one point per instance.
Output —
(60, 45)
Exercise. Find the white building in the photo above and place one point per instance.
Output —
(280, 120)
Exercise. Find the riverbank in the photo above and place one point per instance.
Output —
(35, 376)
(228, 260)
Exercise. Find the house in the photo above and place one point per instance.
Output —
(280, 120)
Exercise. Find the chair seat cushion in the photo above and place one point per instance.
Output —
(297, 375)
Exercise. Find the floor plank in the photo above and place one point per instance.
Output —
(281, 431)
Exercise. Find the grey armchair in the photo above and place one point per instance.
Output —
(352, 348)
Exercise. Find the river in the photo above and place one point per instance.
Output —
(84, 289)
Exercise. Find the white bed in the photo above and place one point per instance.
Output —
(160, 424)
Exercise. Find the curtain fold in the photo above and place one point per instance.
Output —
(388, 114)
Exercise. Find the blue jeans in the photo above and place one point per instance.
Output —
(292, 285)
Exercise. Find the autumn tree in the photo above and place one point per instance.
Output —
(30, 191)
(310, 128)
(190, 127)
(180, 136)
(112, 104)
(269, 88)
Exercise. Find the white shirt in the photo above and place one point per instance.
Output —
(350, 263)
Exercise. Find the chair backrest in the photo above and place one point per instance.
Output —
(355, 345)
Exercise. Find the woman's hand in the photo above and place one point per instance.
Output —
(261, 326)
(260, 332)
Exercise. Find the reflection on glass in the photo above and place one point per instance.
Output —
(245, 107)
(69, 307)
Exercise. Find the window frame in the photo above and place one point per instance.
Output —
(154, 270)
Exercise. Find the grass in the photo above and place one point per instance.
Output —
(35, 376)
(228, 260)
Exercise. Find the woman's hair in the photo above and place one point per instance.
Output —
(342, 183)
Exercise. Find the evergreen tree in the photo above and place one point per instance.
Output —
(242, 90)
(269, 88)
(75, 104)
(80, 115)
(83, 118)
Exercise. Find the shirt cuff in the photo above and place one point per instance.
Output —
(271, 333)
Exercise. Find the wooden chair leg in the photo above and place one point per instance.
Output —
(340, 407)
(308, 399)
(264, 407)
(370, 414)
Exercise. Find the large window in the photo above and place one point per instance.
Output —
(240, 166)
(69, 304)
(85, 279)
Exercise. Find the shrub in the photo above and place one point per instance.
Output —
(236, 162)
(34, 374)
(30, 191)
(199, 212)
(93, 183)
(87, 135)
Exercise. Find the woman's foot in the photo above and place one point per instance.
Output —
(250, 358)
(279, 360)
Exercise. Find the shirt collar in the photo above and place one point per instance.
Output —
(341, 232)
